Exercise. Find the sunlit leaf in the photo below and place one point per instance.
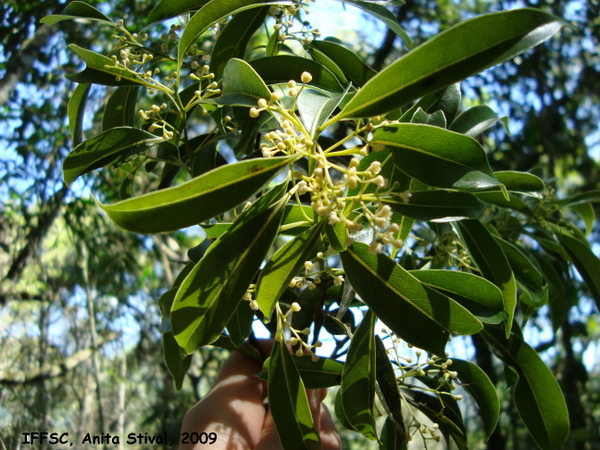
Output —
(197, 200)
(452, 56)
(349, 62)
(288, 402)
(212, 291)
(537, 395)
(520, 181)
(416, 313)
(358, 379)
(242, 86)
(437, 157)
(474, 120)
(104, 149)
(79, 10)
(283, 266)
(316, 107)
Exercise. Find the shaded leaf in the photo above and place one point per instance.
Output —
(239, 326)
(349, 62)
(78, 10)
(586, 262)
(322, 373)
(315, 108)
(437, 157)
(474, 120)
(165, 9)
(242, 86)
(358, 379)
(76, 111)
(520, 181)
(479, 386)
(537, 395)
(488, 256)
(177, 362)
(523, 268)
(120, 109)
(212, 291)
(452, 56)
(288, 401)
(104, 149)
(196, 200)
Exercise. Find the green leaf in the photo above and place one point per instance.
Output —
(322, 373)
(212, 291)
(171, 8)
(537, 395)
(479, 386)
(586, 212)
(197, 200)
(452, 56)
(523, 268)
(586, 262)
(481, 297)
(448, 102)
(488, 256)
(234, 38)
(437, 119)
(358, 379)
(391, 439)
(316, 107)
(104, 149)
(120, 109)
(76, 110)
(349, 62)
(282, 68)
(242, 86)
(103, 70)
(520, 181)
(437, 157)
(388, 385)
(177, 362)
(78, 10)
(474, 120)
(283, 266)
(438, 206)
(382, 13)
(239, 326)
(288, 402)
(420, 315)
(209, 14)
(584, 197)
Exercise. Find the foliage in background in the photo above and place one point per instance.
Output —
(211, 130)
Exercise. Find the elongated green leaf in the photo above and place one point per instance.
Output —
(481, 297)
(242, 86)
(439, 206)
(584, 197)
(234, 38)
(288, 402)
(452, 56)
(120, 109)
(488, 256)
(209, 14)
(586, 212)
(382, 13)
(239, 326)
(388, 386)
(358, 378)
(523, 268)
(316, 107)
(166, 9)
(79, 10)
(349, 62)
(212, 291)
(105, 149)
(479, 386)
(448, 102)
(537, 395)
(177, 363)
(282, 68)
(322, 373)
(76, 110)
(103, 70)
(586, 262)
(520, 181)
(437, 157)
(475, 120)
(391, 439)
(416, 313)
(197, 200)
(499, 198)
(283, 266)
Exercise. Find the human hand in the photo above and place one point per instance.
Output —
(234, 410)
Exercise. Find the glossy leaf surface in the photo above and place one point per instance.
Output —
(439, 206)
(452, 56)
(437, 157)
(79, 10)
(197, 200)
(212, 291)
